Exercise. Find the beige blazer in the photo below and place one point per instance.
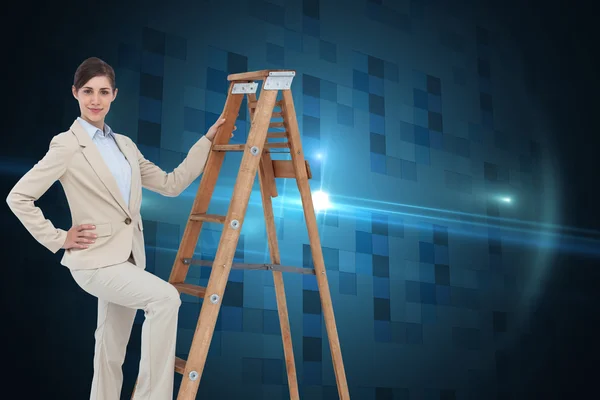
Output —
(94, 197)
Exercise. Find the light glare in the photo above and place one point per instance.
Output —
(321, 200)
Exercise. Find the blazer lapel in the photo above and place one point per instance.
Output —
(93, 156)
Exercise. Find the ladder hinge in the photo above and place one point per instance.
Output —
(279, 80)
(244, 88)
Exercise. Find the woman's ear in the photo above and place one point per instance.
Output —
(115, 93)
(74, 91)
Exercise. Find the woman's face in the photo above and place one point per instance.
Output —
(94, 98)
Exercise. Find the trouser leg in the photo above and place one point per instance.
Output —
(112, 336)
(131, 287)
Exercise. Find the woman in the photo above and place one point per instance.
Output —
(102, 173)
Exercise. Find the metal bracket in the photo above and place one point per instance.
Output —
(244, 88)
(279, 80)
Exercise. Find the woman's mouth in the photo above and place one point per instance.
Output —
(95, 110)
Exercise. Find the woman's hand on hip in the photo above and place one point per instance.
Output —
(79, 238)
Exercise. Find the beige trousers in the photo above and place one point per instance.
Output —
(121, 290)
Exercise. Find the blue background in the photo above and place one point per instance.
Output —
(417, 118)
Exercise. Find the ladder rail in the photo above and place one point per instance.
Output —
(226, 249)
(207, 186)
(266, 163)
(315, 242)
(266, 179)
(284, 323)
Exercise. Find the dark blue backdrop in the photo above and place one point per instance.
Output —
(420, 124)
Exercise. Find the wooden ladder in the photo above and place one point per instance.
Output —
(256, 158)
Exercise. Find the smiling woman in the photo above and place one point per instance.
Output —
(102, 173)
(95, 89)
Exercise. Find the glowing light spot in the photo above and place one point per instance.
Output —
(321, 200)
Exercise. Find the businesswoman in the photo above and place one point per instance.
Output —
(102, 173)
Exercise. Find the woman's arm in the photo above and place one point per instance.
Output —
(171, 184)
(33, 185)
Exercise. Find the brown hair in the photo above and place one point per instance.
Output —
(91, 68)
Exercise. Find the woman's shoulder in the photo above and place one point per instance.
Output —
(65, 138)
(65, 144)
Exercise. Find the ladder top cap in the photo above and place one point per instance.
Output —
(260, 75)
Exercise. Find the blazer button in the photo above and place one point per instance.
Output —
(127, 220)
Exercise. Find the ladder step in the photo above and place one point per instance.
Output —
(277, 135)
(218, 219)
(192, 290)
(276, 125)
(258, 75)
(179, 365)
(242, 147)
(257, 267)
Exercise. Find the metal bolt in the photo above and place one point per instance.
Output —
(214, 298)
(254, 150)
(193, 375)
(235, 224)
